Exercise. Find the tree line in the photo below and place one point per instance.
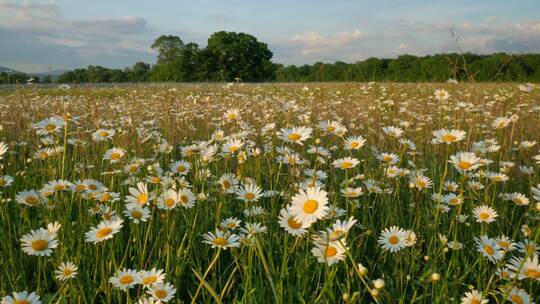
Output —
(231, 56)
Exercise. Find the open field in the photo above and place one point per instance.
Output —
(285, 193)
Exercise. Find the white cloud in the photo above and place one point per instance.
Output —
(114, 42)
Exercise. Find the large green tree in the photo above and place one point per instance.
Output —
(239, 55)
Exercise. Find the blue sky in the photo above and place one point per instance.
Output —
(38, 35)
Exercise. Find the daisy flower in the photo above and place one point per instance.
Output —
(153, 276)
(290, 224)
(114, 155)
(163, 292)
(310, 205)
(448, 136)
(346, 163)
(29, 198)
(526, 268)
(389, 158)
(138, 214)
(124, 279)
(103, 134)
(230, 223)
(232, 114)
(231, 146)
(333, 127)
(180, 167)
(465, 161)
(186, 198)
(168, 200)
(340, 229)
(39, 242)
(228, 182)
(22, 297)
(489, 248)
(393, 239)
(473, 297)
(441, 95)
(354, 142)
(329, 253)
(66, 271)
(139, 196)
(249, 192)
(518, 296)
(485, 214)
(104, 231)
(50, 126)
(393, 131)
(295, 135)
(221, 239)
(352, 192)
(6, 181)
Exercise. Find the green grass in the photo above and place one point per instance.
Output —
(275, 266)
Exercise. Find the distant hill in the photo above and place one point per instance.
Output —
(53, 73)
(8, 70)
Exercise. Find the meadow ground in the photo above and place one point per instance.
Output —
(285, 193)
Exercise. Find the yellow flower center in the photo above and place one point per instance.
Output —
(464, 165)
(421, 184)
(181, 168)
(31, 200)
(127, 279)
(67, 272)
(475, 301)
(103, 133)
(160, 294)
(517, 299)
(136, 214)
(249, 196)
(105, 197)
(331, 128)
(330, 251)
(103, 232)
(169, 202)
(294, 136)
(221, 241)
(21, 302)
(394, 240)
(355, 144)
(310, 206)
(449, 138)
(231, 116)
(346, 165)
(115, 156)
(40, 245)
(294, 224)
(149, 280)
(59, 187)
(184, 199)
(142, 198)
(483, 215)
(532, 273)
(226, 184)
(489, 250)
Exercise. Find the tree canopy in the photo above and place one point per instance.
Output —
(230, 56)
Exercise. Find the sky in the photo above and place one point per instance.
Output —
(43, 35)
